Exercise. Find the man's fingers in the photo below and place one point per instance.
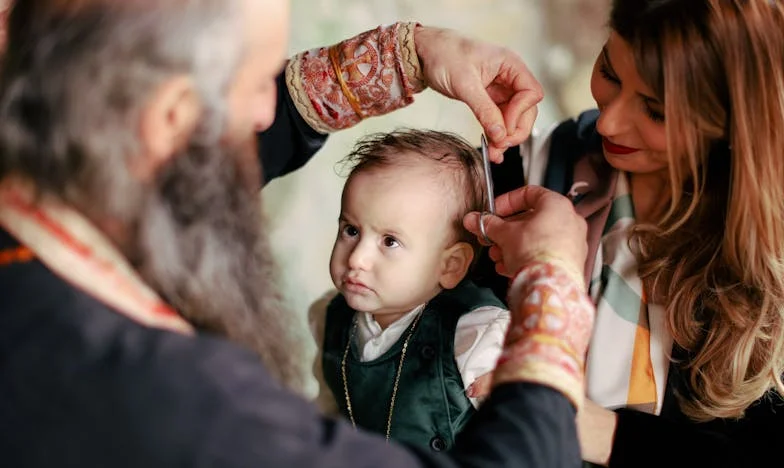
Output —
(474, 94)
(526, 198)
(496, 153)
(519, 115)
(495, 254)
(525, 93)
(471, 222)
(524, 127)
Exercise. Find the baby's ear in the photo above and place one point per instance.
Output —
(455, 263)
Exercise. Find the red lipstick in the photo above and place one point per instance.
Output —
(611, 147)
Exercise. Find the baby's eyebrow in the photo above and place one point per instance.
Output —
(394, 233)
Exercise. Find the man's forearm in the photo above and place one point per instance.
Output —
(332, 88)
(521, 425)
(290, 142)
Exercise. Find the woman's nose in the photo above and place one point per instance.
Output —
(615, 118)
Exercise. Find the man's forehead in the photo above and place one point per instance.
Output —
(256, 13)
(266, 28)
(260, 15)
(75, 6)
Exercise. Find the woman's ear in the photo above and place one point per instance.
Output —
(455, 263)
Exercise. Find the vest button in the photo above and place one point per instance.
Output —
(437, 444)
(427, 352)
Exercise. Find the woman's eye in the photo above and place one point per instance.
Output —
(605, 72)
(653, 114)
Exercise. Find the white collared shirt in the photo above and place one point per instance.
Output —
(479, 338)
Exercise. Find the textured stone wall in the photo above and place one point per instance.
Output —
(558, 39)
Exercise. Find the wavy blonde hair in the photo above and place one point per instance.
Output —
(716, 260)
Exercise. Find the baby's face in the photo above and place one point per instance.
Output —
(395, 225)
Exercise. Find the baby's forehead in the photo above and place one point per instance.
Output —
(443, 168)
(441, 177)
(423, 189)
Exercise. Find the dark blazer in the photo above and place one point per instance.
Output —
(644, 440)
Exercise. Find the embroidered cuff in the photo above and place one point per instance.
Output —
(371, 74)
(552, 320)
(543, 374)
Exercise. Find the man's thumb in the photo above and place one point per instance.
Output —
(483, 225)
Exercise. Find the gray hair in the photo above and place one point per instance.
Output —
(71, 92)
(76, 77)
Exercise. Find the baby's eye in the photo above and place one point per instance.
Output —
(350, 231)
(391, 242)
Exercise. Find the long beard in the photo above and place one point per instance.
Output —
(201, 245)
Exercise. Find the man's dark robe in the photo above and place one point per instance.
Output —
(84, 386)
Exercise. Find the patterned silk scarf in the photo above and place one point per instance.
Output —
(628, 358)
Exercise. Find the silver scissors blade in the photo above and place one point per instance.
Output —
(488, 176)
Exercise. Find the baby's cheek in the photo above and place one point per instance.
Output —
(335, 267)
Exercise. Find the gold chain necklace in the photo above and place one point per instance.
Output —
(397, 374)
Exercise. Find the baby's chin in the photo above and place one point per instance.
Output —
(370, 304)
(361, 302)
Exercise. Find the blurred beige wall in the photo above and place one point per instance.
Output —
(558, 39)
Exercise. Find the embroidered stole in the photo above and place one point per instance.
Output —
(72, 248)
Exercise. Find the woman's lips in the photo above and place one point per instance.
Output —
(611, 147)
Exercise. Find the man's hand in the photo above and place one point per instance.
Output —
(532, 221)
(493, 81)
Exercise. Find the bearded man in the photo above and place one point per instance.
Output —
(137, 287)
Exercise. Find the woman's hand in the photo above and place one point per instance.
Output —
(530, 222)
(596, 429)
(492, 80)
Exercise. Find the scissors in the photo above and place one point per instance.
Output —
(490, 191)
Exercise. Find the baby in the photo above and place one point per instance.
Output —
(407, 334)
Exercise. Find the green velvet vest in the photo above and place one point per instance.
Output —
(431, 406)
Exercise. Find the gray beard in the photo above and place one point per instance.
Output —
(200, 244)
